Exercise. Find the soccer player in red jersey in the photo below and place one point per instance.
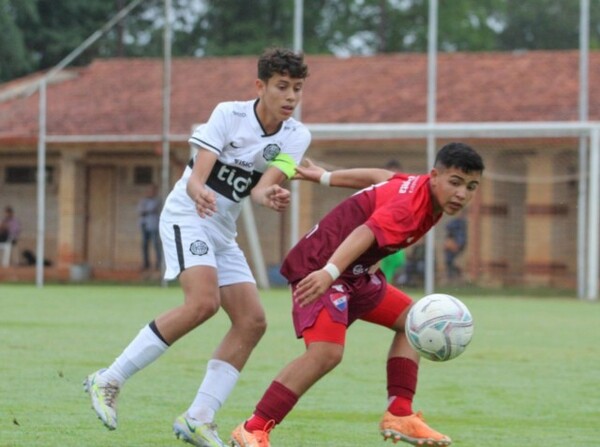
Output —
(332, 286)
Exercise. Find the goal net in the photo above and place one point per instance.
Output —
(532, 222)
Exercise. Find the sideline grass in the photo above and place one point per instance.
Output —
(530, 377)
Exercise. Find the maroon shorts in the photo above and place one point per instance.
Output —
(346, 301)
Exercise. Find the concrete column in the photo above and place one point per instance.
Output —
(71, 207)
(539, 210)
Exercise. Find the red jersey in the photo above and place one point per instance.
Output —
(398, 212)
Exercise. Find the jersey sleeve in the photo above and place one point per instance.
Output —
(393, 223)
(299, 144)
(213, 134)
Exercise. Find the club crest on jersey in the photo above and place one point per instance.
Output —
(338, 298)
(359, 269)
(199, 248)
(271, 151)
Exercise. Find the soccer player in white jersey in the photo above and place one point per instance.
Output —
(246, 148)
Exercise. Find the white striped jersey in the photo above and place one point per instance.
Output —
(235, 134)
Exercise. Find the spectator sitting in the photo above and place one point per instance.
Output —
(10, 226)
(149, 208)
(454, 244)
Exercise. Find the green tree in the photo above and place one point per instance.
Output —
(13, 53)
(541, 24)
(223, 27)
(37, 34)
(58, 28)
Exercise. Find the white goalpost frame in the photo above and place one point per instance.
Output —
(590, 131)
(583, 100)
(42, 132)
(294, 187)
(591, 283)
(586, 131)
(588, 263)
(432, 31)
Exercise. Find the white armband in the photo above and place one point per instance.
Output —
(325, 179)
(332, 270)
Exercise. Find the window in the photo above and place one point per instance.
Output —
(23, 175)
(143, 175)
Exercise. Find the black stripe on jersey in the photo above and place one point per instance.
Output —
(199, 142)
(179, 246)
(232, 182)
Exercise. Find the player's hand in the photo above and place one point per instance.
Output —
(206, 202)
(276, 198)
(312, 287)
(308, 171)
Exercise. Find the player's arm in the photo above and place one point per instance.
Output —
(268, 191)
(317, 282)
(204, 198)
(356, 178)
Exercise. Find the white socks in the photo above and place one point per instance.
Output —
(219, 381)
(145, 348)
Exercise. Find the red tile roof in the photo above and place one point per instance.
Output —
(124, 96)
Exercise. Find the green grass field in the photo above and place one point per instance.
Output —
(530, 377)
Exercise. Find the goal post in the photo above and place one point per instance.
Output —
(558, 133)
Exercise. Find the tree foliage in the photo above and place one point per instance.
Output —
(37, 34)
(13, 52)
(554, 23)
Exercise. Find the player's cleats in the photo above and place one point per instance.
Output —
(411, 429)
(104, 398)
(193, 432)
(240, 437)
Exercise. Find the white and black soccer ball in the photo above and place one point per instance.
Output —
(439, 327)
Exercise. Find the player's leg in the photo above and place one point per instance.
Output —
(196, 426)
(240, 299)
(324, 350)
(400, 422)
(201, 300)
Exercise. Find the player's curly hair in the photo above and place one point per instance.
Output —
(281, 61)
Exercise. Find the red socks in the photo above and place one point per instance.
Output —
(275, 404)
(402, 383)
(279, 400)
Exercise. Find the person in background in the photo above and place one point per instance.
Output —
(247, 149)
(413, 274)
(455, 242)
(10, 226)
(393, 266)
(329, 271)
(149, 208)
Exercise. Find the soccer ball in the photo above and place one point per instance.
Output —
(439, 327)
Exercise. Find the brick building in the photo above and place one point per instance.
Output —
(104, 126)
